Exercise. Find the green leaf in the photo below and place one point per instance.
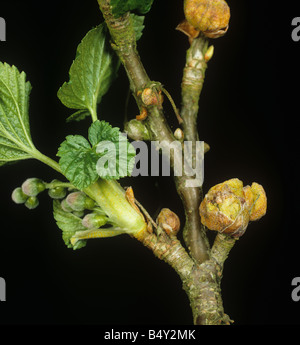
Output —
(119, 7)
(69, 224)
(79, 158)
(78, 161)
(15, 139)
(91, 74)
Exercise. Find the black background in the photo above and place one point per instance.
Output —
(248, 115)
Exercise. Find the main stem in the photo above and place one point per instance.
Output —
(202, 271)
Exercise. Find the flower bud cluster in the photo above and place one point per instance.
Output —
(28, 192)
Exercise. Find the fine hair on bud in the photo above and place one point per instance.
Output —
(18, 196)
(33, 186)
(79, 201)
(32, 202)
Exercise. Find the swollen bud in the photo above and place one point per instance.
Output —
(32, 202)
(78, 201)
(33, 186)
(94, 220)
(18, 196)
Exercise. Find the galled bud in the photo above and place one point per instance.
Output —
(18, 196)
(94, 220)
(136, 130)
(259, 207)
(223, 208)
(228, 207)
(32, 202)
(33, 186)
(79, 201)
(168, 221)
(211, 17)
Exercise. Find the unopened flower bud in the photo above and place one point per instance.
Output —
(57, 192)
(32, 202)
(168, 221)
(33, 186)
(79, 201)
(94, 220)
(65, 206)
(18, 196)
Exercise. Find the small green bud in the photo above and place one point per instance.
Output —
(32, 202)
(79, 201)
(94, 220)
(33, 186)
(18, 196)
(65, 206)
(57, 192)
(136, 130)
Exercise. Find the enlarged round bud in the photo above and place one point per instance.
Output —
(259, 207)
(136, 130)
(32, 202)
(94, 220)
(228, 207)
(18, 196)
(79, 201)
(168, 221)
(33, 186)
(211, 17)
(151, 97)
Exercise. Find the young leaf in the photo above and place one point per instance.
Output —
(119, 7)
(15, 139)
(79, 157)
(69, 224)
(91, 74)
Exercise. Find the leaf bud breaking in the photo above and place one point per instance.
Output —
(33, 186)
(18, 196)
(32, 202)
(168, 221)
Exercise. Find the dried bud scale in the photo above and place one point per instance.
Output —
(168, 221)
